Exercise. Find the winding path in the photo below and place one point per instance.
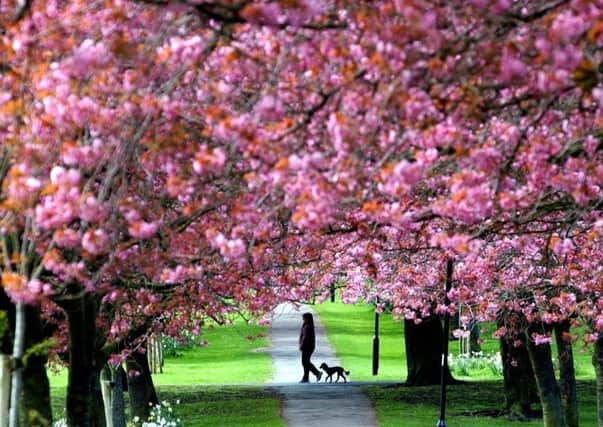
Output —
(308, 405)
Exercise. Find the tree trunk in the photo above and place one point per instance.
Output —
(107, 388)
(423, 352)
(518, 378)
(35, 400)
(35, 403)
(84, 398)
(567, 374)
(474, 335)
(5, 365)
(96, 399)
(114, 379)
(140, 385)
(117, 397)
(16, 384)
(598, 364)
(548, 390)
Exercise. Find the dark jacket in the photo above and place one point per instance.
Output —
(307, 340)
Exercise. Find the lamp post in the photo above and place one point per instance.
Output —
(376, 342)
(442, 420)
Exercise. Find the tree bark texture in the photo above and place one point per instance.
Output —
(423, 352)
(567, 373)
(35, 407)
(474, 337)
(117, 397)
(84, 398)
(16, 385)
(548, 389)
(140, 385)
(518, 378)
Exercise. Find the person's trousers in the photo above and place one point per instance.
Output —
(307, 364)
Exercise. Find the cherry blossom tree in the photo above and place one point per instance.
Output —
(221, 154)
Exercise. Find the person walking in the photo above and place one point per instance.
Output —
(307, 342)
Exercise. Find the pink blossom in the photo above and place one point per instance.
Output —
(456, 242)
(88, 56)
(501, 6)
(92, 211)
(33, 184)
(269, 108)
(591, 338)
(67, 238)
(133, 373)
(562, 247)
(53, 213)
(95, 241)
(61, 176)
(500, 332)
(209, 160)
(511, 66)
(566, 26)
(460, 333)
(453, 294)
(143, 229)
(540, 339)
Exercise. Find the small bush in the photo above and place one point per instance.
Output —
(173, 346)
(162, 415)
(466, 364)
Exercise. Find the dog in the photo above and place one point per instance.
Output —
(341, 373)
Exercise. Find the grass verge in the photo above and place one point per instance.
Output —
(466, 405)
(225, 406)
(350, 331)
(211, 405)
(234, 355)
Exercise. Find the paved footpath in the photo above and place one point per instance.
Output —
(308, 405)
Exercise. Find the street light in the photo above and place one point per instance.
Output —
(442, 420)
(376, 341)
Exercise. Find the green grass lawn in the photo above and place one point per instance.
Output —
(350, 331)
(234, 355)
(225, 406)
(419, 406)
(210, 405)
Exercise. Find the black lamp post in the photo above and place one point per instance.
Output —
(442, 420)
(376, 342)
